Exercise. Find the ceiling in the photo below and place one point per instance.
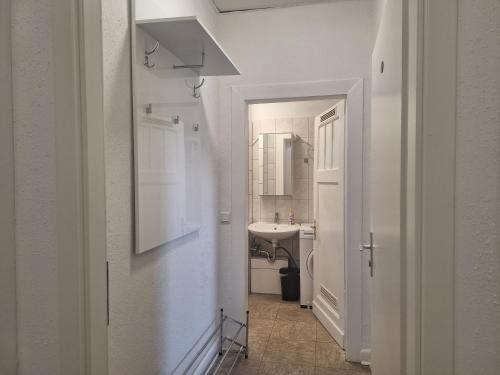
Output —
(225, 6)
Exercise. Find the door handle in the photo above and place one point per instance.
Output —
(369, 247)
(314, 228)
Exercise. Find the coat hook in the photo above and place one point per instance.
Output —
(147, 53)
(196, 93)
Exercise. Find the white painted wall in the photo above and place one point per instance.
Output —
(162, 300)
(35, 186)
(307, 43)
(477, 225)
(8, 324)
(304, 108)
(48, 192)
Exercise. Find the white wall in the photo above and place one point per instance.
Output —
(48, 192)
(8, 324)
(35, 175)
(307, 43)
(162, 300)
(304, 108)
(477, 226)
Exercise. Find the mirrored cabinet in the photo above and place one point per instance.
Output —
(275, 151)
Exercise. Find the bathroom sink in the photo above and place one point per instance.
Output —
(273, 232)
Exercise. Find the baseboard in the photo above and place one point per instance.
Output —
(365, 356)
(329, 324)
(211, 352)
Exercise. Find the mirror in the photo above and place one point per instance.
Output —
(275, 163)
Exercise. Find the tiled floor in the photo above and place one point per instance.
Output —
(285, 339)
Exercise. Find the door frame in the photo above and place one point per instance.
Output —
(353, 90)
(94, 186)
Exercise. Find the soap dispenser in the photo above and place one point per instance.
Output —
(291, 217)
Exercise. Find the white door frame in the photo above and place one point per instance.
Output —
(94, 183)
(241, 96)
(431, 57)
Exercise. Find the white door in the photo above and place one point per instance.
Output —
(385, 192)
(329, 295)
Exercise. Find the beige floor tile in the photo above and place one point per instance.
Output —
(322, 334)
(330, 355)
(257, 346)
(266, 298)
(264, 310)
(290, 351)
(243, 365)
(261, 327)
(269, 368)
(282, 341)
(330, 371)
(295, 313)
(291, 330)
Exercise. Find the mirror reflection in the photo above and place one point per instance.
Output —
(275, 163)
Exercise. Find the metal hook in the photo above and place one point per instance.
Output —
(196, 93)
(147, 53)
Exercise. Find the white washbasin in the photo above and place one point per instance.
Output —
(273, 232)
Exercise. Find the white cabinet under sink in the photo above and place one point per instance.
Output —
(265, 276)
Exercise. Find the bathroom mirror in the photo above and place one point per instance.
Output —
(275, 163)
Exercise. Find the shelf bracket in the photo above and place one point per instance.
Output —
(197, 66)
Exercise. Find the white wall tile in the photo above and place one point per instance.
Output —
(283, 207)
(311, 128)
(301, 189)
(310, 210)
(255, 150)
(263, 207)
(284, 125)
(268, 126)
(250, 210)
(255, 188)
(300, 169)
(300, 210)
(256, 127)
(267, 208)
(256, 209)
(301, 127)
(250, 134)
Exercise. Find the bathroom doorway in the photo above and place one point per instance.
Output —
(249, 187)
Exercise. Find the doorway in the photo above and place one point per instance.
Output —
(352, 90)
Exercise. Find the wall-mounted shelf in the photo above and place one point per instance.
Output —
(187, 39)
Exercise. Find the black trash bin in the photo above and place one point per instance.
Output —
(290, 283)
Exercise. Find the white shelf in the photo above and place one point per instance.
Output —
(187, 38)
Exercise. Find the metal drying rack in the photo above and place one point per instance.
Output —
(240, 348)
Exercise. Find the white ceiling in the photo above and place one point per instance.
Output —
(241, 5)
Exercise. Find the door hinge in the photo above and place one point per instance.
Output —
(107, 293)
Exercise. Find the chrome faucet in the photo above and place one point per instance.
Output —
(276, 218)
